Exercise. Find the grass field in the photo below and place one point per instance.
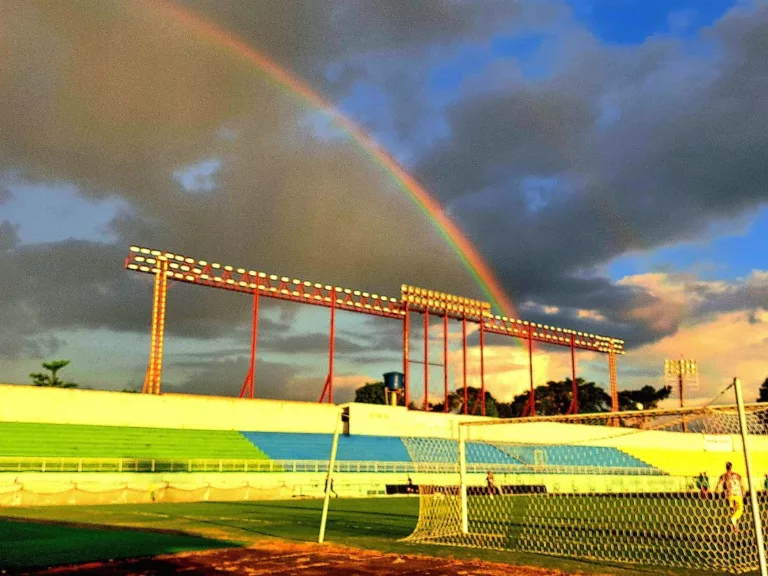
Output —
(60, 535)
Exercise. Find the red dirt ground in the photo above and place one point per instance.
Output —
(280, 558)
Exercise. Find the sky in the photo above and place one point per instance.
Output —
(608, 159)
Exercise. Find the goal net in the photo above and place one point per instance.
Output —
(630, 487)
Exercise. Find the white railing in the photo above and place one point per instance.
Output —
(65, 464)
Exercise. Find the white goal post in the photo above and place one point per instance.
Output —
(630, 487)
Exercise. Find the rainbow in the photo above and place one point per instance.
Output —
(470, 258)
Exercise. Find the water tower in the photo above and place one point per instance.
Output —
(394, 386)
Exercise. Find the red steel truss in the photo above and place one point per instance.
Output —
(167, 266)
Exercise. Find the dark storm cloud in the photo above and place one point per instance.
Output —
(604, 153)
(312, 342)
(116, 103)
(79, 284)
(645, 147)
(225, 377)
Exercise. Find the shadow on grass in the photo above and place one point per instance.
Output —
(29, 544)
(345, 505)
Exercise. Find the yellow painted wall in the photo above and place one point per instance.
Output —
(99, 407)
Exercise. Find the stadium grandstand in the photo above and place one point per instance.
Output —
(79, 446)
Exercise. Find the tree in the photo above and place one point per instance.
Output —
(52, 379)
(456, 402)
(554, 398)
(371, 393)
(763, 392)
(648, 397)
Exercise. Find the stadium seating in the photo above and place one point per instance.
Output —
(63, 440)
(532, 454)
(84, 441)
(290, 446)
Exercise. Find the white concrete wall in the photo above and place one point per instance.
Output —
(378, 420)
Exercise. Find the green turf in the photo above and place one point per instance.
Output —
(33, 544)
(85, 441)
(376, 524)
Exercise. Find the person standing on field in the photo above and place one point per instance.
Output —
(491, 481)
(703, 484)
(731, 484)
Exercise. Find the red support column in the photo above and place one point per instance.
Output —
(331, 348)
(464, 353)
(249, 382)
(574, 407)
(482, 368)
(445, 363)
(426, 359)
(406, 353)
(531, 408)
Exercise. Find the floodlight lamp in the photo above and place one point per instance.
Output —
(133, 266)
(192, 278)
(356, 292)
(173, 265)
(307, 283)
(185, 268)
(145, 251)
(215, 265)
(134, 248)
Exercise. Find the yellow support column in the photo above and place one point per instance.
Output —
(155, 368)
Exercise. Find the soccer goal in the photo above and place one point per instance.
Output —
(633, 487)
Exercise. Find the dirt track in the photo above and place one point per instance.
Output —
(278, 558)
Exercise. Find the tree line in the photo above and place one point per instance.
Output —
(552, 398)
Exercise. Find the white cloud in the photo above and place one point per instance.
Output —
(718, 327)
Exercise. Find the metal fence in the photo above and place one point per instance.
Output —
(28, 464)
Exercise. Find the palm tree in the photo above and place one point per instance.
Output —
(52, 379)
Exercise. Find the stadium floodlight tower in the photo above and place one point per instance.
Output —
(167, 267)
(683, 374)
